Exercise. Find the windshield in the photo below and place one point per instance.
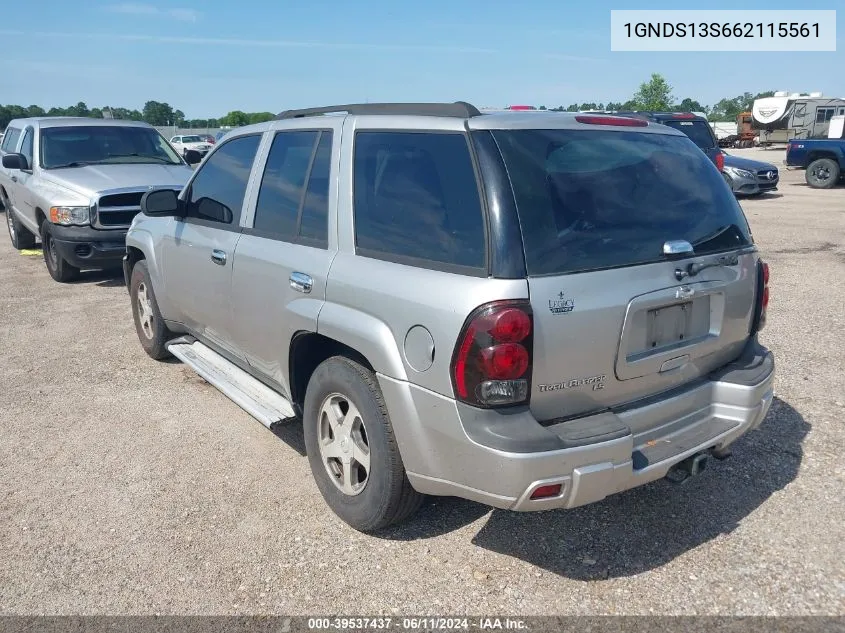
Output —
(698, 131)
(191, 139)
(104, 145)
(589, 200)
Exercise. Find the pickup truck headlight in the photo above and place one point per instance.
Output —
(70, 215)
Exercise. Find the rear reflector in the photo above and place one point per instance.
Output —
(612, 120)
(544, 492)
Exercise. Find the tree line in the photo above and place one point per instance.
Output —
(654, 94)
(154, 112)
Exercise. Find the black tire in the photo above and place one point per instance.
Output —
(822, 173)
(19, 235)
(386, 497)
(59, 269)
(152, 332)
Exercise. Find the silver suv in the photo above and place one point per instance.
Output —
(529, 310)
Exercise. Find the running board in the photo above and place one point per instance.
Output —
(253, 396)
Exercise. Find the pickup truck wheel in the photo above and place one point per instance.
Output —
(58, 268)
(152, 332)
(20, 236)
(352, 450)
(822, 173)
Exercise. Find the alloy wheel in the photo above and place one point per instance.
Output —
(344, 448)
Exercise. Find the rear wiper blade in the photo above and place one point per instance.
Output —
(694, 268)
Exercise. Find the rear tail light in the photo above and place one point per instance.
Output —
(612, 120)
(491, 365)
(720, 161)
(762, 303)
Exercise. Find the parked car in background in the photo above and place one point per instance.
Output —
(76, 183)
(749, 177)
(822, 159)
(186, 142)
(208, 138)
(220, 135)
(696, 127)
(528, 310)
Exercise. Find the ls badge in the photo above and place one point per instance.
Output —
(562, 304)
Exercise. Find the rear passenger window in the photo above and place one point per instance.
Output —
(217, 192)
(416, 200)
(293, 198)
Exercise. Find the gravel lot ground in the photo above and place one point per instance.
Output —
(131, 486)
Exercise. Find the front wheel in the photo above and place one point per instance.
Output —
(57, 266)
(822, 173)
(352, 450)
(152, 332)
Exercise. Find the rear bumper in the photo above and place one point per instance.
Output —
(85, 247)
(459, 451)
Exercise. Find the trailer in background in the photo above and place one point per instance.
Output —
(787, 116)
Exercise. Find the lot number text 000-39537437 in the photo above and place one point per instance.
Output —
(700, 30)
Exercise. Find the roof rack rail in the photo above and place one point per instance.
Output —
(460, 109)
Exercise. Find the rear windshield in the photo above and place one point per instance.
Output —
(590, 200)
(698, 131)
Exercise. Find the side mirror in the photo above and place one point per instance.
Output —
(193, 157)
(15, 161)
(160, 203)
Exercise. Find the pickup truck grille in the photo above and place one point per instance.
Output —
(118, 209)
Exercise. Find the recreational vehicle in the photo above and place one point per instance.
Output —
(793, 115)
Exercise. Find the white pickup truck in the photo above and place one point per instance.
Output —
(76, 184)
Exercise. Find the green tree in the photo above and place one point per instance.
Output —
(80, 109)
(156, 113)
(542, 107)
(96, 113)
(572, 108)
(690, 105)
(260, 117)
(235, 118)
(655, 94)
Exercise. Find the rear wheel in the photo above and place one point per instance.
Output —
(21, 238)
(59, 269)
(352, 450)
(822, 173)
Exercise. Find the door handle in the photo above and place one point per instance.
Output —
(301, 282)
(14, 178)
(218, 257)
